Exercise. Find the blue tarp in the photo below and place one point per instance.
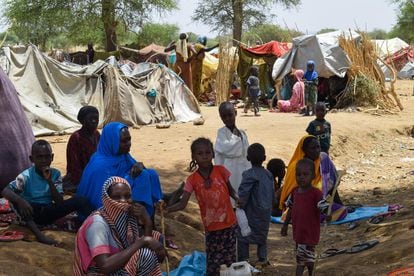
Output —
(191, 265)
(359, 214)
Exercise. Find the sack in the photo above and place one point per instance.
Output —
(243, 222)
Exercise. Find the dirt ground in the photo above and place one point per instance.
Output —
(376, 150)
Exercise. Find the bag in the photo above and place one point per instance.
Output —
(243, 222)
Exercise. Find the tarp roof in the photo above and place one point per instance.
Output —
(324, 49)
(389, 46)
(270, 48)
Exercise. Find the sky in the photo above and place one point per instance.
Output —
(309, 17)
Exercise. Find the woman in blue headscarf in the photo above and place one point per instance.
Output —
(311, 87)
(112, 158)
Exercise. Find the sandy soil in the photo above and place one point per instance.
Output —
(376, 150)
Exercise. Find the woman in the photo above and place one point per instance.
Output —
(185, 53)
(325, 174)
(110, 242)
(81, 145)
(297, 101)
(113, 159)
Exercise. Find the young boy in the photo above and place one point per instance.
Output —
(278, 169)
(256, 196)
(231, 146)
(304, 204)
(311, 87)
(37, 193)
(321, 128)
(253, 91)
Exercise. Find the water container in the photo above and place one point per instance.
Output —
(224, 270)
(239, 269)
(242, 222)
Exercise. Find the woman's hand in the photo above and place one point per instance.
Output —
(159, 250)
(137, 169)
(140, 213)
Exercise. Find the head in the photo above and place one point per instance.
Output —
(90, 46)
(320, 110)
(277, 167)
(305, 172)
(202, 153)
(119, 190)
(311, 148)
(228, 114)
(115, 139)
(254, 71)
(183, 36)
(310, 65)
(256, 154)
(41, 155)
(298, 74)
(88, 116)
(124, 141)
(202, 40)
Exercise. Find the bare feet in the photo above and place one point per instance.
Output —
(46, 240)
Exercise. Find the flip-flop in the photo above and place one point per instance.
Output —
(332, 252)
(11, 236)
(352, 225)
(359, 247)
(394, 207)
(170, 243)
(380, 217)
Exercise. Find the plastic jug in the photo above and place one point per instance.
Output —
(242, 222)
(236, 269)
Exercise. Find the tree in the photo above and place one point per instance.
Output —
(267, 32)
(326, 30)
(236, 15)
(161, 34)
(378, 34)
(405, 22)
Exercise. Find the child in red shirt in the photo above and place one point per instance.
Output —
(305, 204)
(212, 189)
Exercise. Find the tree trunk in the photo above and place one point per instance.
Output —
(237, 21)
(109, 22)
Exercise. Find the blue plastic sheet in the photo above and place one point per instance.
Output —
(191, 265)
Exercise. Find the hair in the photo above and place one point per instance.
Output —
(224, 105)
(197, 142)
(277, 167)
(41, 143)
(307, 141)
(254, 71)
(183, 36)
(320, 104)
(308, 163)
(256, 154)
(84, 111)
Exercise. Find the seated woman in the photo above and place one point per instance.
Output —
(110, 241)
(297, 100)
(113, 159)
(325, 174)
(81, 145)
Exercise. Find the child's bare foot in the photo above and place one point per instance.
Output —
(46, 240)
(257, 114)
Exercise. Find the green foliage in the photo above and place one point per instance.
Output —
(405, 22)
(267, 32)
(378, 34)
(326, 30)
(160, 34)
(11, 39)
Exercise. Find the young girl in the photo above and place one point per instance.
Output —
(213, 190)
(253, 91)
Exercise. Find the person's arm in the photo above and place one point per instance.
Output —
(193, 53)
(232, 192)
(56, 196)
(245, 188)
(284, 230)
(310, 129)
(180, 205)
(73, 170)
(211, 48)
(140, 213)
(170, 47)
(24, 207)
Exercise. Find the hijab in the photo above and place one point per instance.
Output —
(182, 48)
(311, 75)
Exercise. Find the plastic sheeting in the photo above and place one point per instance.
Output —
(388, 47)
(324, 49)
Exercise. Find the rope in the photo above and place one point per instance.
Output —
(167, 264)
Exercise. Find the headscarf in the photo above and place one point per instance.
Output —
(104, 163)
(311, 75)
(290, 179)
(84, 111)
(202, 40)
(182, 47)
(299, 75)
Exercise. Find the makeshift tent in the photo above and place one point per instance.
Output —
(401, 61)
(52, 93)
(263, 56)
(388, 47)
(152, 53)
(324, 49)
(17, 137)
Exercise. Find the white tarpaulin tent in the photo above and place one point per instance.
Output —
(52, 93)
(324, 49)
(388, 47)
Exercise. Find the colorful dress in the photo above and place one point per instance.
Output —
(297, 101)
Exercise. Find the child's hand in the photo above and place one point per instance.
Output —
(25, 209)
(284, 230)
(46, 173)
(136, 169)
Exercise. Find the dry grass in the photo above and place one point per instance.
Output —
(227, 63)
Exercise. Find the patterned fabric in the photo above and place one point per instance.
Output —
(78, 152)
(220, 249)
(215, 206)
(297, 101)
(124, 230)
(322, 130)
(311, 94)
(305, 254)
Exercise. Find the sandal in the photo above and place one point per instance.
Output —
(11, 236)
(380, 217)
(332, 252)
(359, 247)
(170, 243)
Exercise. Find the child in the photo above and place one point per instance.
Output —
(278, 169)
(231, 146)
(37, 193)
(304, 209)
(256, 195)
(311, 87)
(213, 190)
(253, 91)
(321, 128)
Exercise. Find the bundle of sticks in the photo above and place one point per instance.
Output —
(225, 70)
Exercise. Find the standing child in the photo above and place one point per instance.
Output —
(256, 195)
(213, 190)
(253, 91)
(321, 128)
(311, 87)
(278, 169)
(304, 205)
(231, 146)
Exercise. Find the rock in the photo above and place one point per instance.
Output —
(199, 121)
(163, 125)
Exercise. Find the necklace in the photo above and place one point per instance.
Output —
(207, 182)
